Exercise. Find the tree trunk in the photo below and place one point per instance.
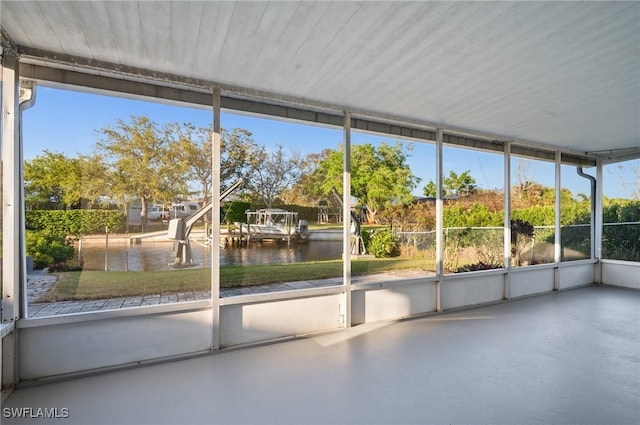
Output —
(371, 216)
(143, 213)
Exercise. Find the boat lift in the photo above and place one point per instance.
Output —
(357, 244)
(274, 224)
(180, 228)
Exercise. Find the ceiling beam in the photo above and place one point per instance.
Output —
(135, 82)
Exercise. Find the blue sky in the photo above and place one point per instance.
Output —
(68, 121)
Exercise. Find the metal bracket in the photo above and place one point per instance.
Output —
(9, 47)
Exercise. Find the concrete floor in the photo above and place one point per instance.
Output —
(563, 358)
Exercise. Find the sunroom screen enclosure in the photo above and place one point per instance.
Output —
(547, 129)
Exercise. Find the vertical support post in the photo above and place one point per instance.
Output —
(106, 249)
(215, 221)
(557, 252)
(26, 99)
(12, 211)
(11, 208)
(346, 222)
(507, 220)
(439, 220)
(599, 222)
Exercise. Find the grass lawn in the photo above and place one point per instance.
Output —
(88, 285)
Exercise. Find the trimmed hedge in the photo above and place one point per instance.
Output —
(48, 231)
(235, 212)
(74, 222)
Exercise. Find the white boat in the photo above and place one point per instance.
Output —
(274, 224)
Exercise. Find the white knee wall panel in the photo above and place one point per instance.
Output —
(82, 346)
(247, 323)
(529, 281)
(373, 305)
(619, 273)
(471, 290)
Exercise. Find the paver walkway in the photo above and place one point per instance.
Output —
(39, 282)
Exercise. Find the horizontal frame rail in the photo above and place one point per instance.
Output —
(197, 92)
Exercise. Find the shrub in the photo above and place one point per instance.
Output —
(47, 248)
(64, 267)
(478, 266)
(380, 243)
(537, 215)
(621, 242)
(47, 232)
(475, 215)
(409, 217)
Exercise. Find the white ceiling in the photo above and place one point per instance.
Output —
(557, 73)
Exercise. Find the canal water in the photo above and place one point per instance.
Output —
(160, 255)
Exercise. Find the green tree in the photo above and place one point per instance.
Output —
(193, 147)
(94, 178)
(140, 158)
(453, 185)
(429, 190)
(52, 181)
(56, 181)
(379, 176)
(460, 185)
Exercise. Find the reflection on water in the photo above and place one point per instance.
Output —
(160, 255)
